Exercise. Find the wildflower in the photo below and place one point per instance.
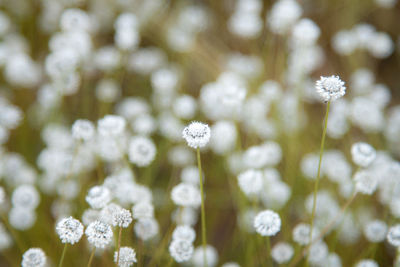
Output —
(127, 256)
(70, 230)
(83, 130)
(33, 257)
(282, 252)
(99, 234)
(122, 218)
(330, 88)
(184, 232)
(363, 154)
(196, 134)
(366, 263)
(25, 196)
(98, 197)
(146, 228)
(375, 231)
(111, 125)
(186, 195)
(366, 183)
(211, 256)
(301, 234)
(251, 182)
(143, 209)
(267, 223)
(181, 250)
(393, 235)
(141, 151)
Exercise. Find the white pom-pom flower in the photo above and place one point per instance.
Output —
(363, 154)
(98, 197)
(99, 234)
(267, 223)
(330, 88)
(33, 257)
(141, 151)
(196, 134)
(393, 236)
(69, 230)
(181, 250)
(127, 256)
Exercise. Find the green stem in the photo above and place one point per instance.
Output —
(269, 263)
(203, 213)
(91, 257)
(321, 152)
(119, 243)
(62, 255)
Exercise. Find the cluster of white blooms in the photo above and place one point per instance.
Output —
(246, 20)
(69, 230)
(363, 36)
(181, 247)
(24, 199)
(99, 234)
(330, 88)
(34, 257)
(127, 257)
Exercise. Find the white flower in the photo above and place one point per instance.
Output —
(267, 223)
(186, 195)
(33, 257)
(282, 252)
(99, 234)
(83, 130)
(70, 230)
(184, 232)
(363, 154)
(127, 256)
(196, 134)
(251, 182)
(330, 88)
(181, 250)
(393, 235)
(141, 151)
(365, 181)
(98, 197)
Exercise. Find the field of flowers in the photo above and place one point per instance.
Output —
(199, 133)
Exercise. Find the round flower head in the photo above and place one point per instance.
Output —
(366, 263)
(301, 233)
(196, 134)
(330, 88)
(141, 151)
(69, 230)
(99, 234)
(365, 181)
(33, 257)
(83, 130)
(251, 182)
(146, 228)
(98, 197)
(211, 256)
(282, 252)
(186, 195)
(375, 231)
(142, 210)
(181, 250)
(21, 218)
(127, 256)
(111, 125)
(26, 197)
(318, 253)
(267, 223)
(393, 235)
(184, 232)
(107, 214)
(230, 264)
(363, 154)
(122, 218)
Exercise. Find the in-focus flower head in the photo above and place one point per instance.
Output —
(33, 257)
(196, 134)
(99, 234)
(267, 223)
(330, 88)
(122, 218)
(127, 256)
(69, 230)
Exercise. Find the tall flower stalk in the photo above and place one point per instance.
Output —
(197, 135)
(329, 89)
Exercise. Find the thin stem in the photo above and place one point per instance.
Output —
(13, 233)
(269, 263)
(203, 213)
(119, 243)
(321, 152)
(324, 231)
(91, 257)
(62, 255)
